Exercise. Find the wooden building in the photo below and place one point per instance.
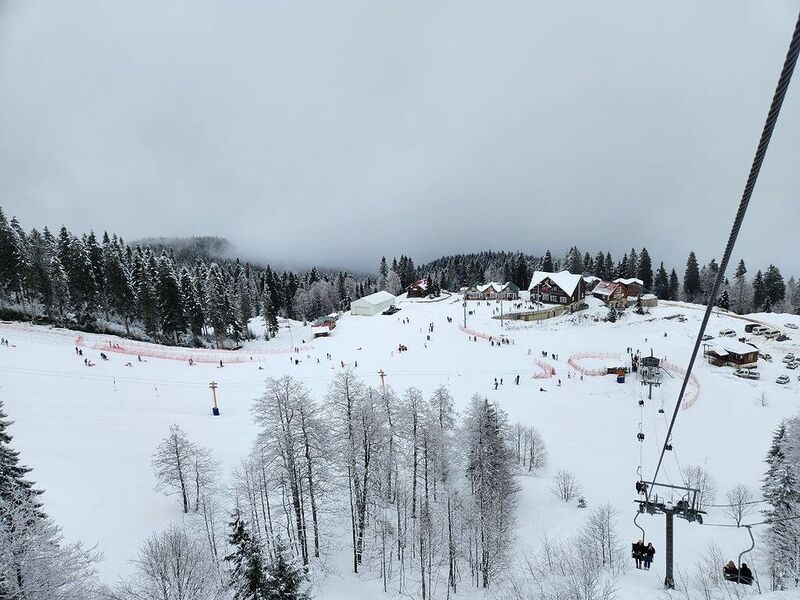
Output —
(557, 288)
(731, 353)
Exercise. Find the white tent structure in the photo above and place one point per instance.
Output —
(372, 305)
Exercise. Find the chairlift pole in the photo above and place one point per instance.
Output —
(465, 310)
(669, 579)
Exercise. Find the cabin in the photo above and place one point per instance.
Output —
(610, 292)
(323, 326)
(373, 304)
(493, 291)
(418, 289)
(731, 353)
(631, 287)
(557, 288)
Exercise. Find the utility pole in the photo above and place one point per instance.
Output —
(382, 375)
(465, 311)
(501, 312)
(213, 386)
(669, 579)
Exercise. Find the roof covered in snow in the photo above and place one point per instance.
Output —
(375, 299)
(628, 281)
(420, 283)
(725, 347)
(590, 278)
(564, 279)
(605, 288)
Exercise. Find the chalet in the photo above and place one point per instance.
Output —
(610, 292)
(493, 291)
(418, 289)
(732, 353)
(631, 287)
(557, 288)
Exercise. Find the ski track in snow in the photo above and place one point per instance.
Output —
(89, 433)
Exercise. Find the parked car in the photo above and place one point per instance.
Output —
(772, 333)
(789, 357)
(747, 373)
(765, 356)
(782, 338)
(707, 337)
(791, 326)
(759, 330)
(749, 327)
(783, 379)
(792, 365)
(727, 333)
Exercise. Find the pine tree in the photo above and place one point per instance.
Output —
(218, 305)
(674, 286)
(13, 476)
(622, 268)
(759, 292)
(547, 263)
(249, 579)
(740, 291)
(192, 309)
(633, 265)
(170, 304)
(285, 578)
(724, 300)
(270, 315)
(661, 285)
(146, 295)
(691, 279)
(774, 286)
(609, 266)
(645, 271)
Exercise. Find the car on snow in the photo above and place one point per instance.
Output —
(747, 373)
(707, 337)
(749, 327)
(789, 357)
(783, 379)
(727, 333)
(792, 365)
(782, 338)
(791, 326)
(765, 356)
(772, 333)
(391, 310)
(759, 330)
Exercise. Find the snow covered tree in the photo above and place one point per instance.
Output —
(172, 565)
(493, 490)
(724, 300)
(565, 486)
(13, 475)
(691, 280)
(661, 284)
(774, 286)
(248, 571)
(645, 270)
(192, 307)
(633, 265)
(270, 315)
(547, 263)
(172, 465)
(393, 284)
(146, 294)
(741, 291)
(740, 502)
(285, 579)
(218, 312)
(170, 304)
(759, 292)
(697, 477)
(674, 286)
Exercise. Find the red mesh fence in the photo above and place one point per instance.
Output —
(574, 362)
(543, 370)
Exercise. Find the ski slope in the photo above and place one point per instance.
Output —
(89, 432)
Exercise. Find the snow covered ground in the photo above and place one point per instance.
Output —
(89, 433)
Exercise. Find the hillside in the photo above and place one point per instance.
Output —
(89, 433)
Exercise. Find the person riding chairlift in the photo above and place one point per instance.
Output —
(730, 572)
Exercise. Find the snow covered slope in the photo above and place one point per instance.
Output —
(89, 432)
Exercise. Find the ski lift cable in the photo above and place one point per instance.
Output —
(758, 160)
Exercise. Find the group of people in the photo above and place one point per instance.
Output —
(741, 575)
(4, 342)
(78, 351)
(643, 554)
(544, 355)
(402, 348)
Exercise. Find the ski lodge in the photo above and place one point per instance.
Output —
(418, 289)
(731, 353)
(372, 305)
(493, 291)
(557, 288)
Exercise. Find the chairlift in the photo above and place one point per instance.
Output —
(741, 574)
(640, 436)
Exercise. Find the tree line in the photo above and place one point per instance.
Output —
(133, 290)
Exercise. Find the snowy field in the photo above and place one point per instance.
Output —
(89, 433)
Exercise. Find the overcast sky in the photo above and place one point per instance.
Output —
(334, 132)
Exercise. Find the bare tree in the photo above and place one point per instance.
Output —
(172, 565)
(565, 485)
(599, 535)
(172, 464)
(740, 502)
(697, 477)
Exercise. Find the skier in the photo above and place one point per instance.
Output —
(495, 383)
(516, 381)
(220, 363)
